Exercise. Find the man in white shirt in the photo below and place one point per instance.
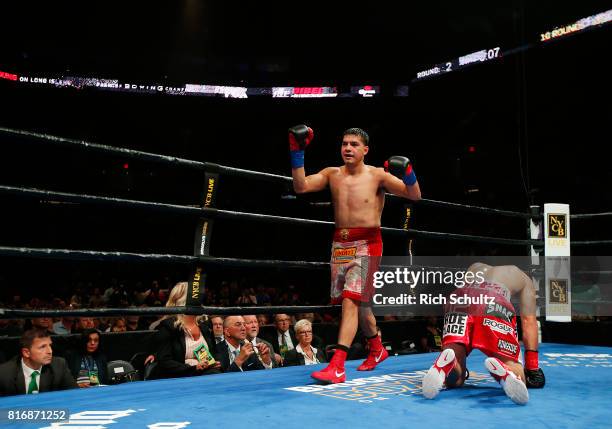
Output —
(252, 328)
(64, 326)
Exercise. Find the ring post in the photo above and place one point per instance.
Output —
(557, 265)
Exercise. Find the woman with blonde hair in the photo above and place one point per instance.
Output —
(186, 346)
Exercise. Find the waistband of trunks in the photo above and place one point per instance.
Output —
(355, 234)
(492, 287)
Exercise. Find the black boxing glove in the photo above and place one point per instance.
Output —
(535, 378)
(300, 136)
(400, 167)
(533, 374)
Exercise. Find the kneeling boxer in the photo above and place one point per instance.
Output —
(490, 328)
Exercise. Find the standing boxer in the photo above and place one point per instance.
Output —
(358, 195)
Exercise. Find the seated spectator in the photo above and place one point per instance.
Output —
(185, 346)
(10, 328)
(283, 338)
(44, 323)
(96, 299)
(87, 364)
(64, 326)
(246, 298)
(35, 369)
(76, 299)
(431, 337)
(304, 353)
(117, 325)
(262, 297)
(263, 319)
(252, 327)
(216, 323)
(237, 354)
(134, 323)
(316, 340)
(84, 323)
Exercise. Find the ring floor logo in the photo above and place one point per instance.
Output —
(380, 388)
(588, 360)
(100, 420)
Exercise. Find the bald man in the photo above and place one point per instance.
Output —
(236, 353)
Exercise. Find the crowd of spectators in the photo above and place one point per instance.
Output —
(183, 345)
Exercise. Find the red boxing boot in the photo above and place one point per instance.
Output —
(335, 372)
(377, 354)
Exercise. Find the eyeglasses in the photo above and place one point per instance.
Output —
(305, 333)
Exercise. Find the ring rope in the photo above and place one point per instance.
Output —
(8, 313)
(590, 242)
(239, 172)
(95, 255)
(590, 215)
(229, 214)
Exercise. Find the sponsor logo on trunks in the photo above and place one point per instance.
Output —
(455, 324)
(498, 326)
(556, 225)
(505, 346)
(344, 254)
(499, 311)
(558, 291)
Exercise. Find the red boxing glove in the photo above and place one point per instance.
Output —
(300, 136)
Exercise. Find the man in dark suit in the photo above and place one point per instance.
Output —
(36, 370)
(236, 353)
(252, 328)
(283, 338)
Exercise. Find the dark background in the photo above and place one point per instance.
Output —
(539, 121)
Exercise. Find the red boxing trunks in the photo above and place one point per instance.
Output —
(355, 257)
(488, 326)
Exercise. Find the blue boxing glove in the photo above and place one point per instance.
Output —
(300, 136)
(401, 168)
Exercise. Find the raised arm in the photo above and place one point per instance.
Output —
(399, 178)
(313, 183)
(300, 136)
